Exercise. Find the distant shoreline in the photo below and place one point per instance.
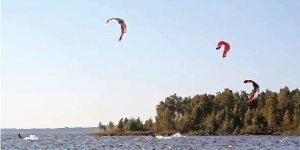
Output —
(49, 128)
(151, 133)
(129, 133)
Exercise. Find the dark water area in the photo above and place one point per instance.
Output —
(79, 139)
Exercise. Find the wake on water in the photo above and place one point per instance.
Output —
(176, 135)
(31, 137)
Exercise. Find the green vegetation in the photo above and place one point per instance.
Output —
(225, 113)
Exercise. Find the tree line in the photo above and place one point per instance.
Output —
(225, 113)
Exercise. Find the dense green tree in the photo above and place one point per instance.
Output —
(101, 126)
(120, 124)
(149, 125)
(223, 113)
(110, 125)
(286, 118)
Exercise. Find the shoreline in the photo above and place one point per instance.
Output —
(151, 133)
(131, 133)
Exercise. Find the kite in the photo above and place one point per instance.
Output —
(255, 91)
(122, 24)
(226, 47)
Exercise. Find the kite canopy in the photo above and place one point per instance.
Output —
(226, 47)
(255, 92)
(122, 24)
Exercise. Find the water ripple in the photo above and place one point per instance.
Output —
(85, 142)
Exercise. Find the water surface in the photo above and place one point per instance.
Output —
(78, 139)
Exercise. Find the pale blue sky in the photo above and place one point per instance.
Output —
(62, 65)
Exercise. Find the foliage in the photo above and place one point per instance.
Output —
(101, 127)
(222, 114)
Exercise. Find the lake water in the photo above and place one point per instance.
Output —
(67, 138)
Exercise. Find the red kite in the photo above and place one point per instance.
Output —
(226, 47)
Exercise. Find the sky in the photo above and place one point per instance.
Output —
(62, 66)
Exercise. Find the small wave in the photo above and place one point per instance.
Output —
(163, 137)
(285, 138)
(31, 137)
(176, 135)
